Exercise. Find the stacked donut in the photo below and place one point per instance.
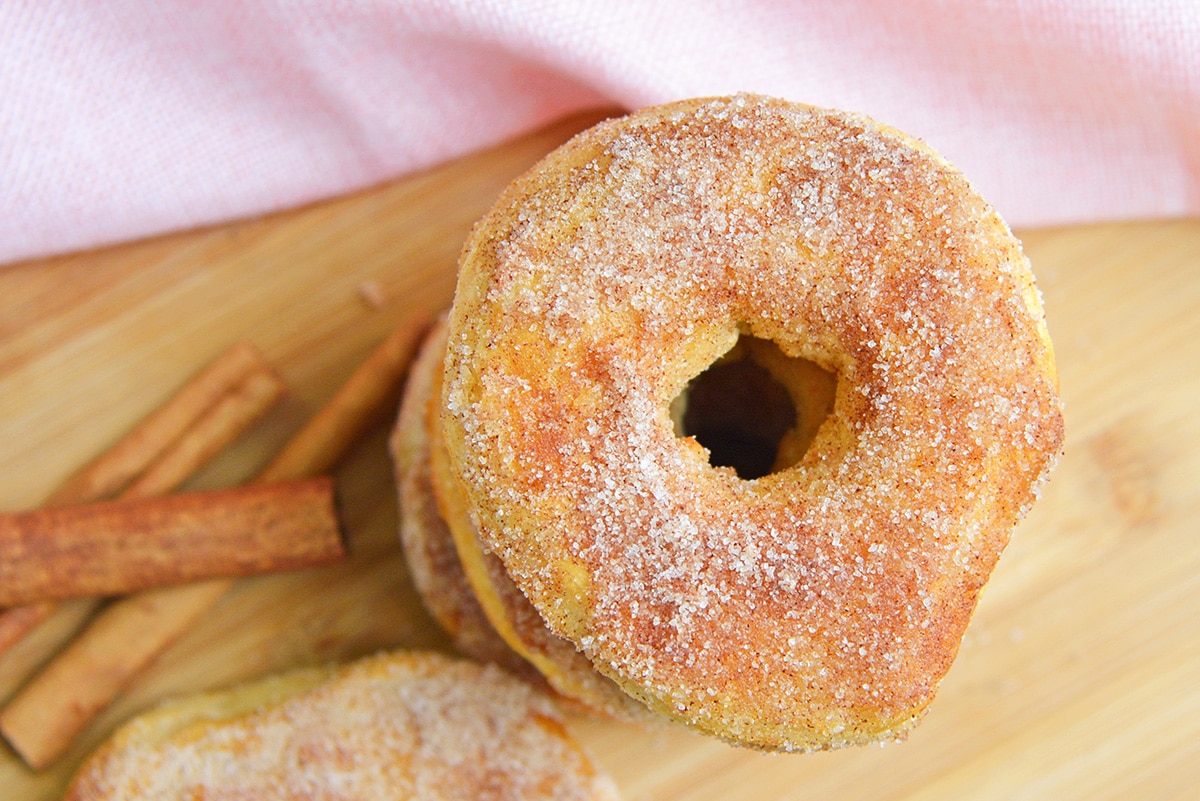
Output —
(737, 405)
(465, 588)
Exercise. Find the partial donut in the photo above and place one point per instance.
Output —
(428, 547)
(818, 605)
(401, 726)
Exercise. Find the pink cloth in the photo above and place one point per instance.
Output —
(132, 117)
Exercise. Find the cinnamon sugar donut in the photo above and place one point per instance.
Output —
(400, 726)
(816, 606)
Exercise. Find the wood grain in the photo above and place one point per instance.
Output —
(1078, 676)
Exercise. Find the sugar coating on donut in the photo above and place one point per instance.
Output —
(397, 726)
(818, 606)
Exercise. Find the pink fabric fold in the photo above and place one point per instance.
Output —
(129, 118)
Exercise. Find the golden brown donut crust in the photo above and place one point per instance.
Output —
(818, 606)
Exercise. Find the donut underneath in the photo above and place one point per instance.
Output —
(563, 667)
(429, 550)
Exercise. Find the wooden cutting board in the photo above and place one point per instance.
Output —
(1079, 677)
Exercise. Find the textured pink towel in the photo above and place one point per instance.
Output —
(131, 117)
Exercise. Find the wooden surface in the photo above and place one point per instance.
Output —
(1079, 677)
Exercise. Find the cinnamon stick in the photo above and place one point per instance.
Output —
(210, 411)
(113, 470)
(370, 392)
(68, 692)
(220, 425)
(43, 719)
(118, 547)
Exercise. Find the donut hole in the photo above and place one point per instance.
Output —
(756, 409)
